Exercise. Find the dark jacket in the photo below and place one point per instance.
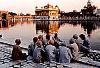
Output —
(16, 53)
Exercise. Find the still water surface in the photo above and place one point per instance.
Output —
(26, 30)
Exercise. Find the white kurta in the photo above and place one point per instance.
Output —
(51, 50)
(75, 50)
(65, 54)
(37, 54)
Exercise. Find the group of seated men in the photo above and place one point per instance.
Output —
(52, 49)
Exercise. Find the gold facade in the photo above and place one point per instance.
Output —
(47, 12)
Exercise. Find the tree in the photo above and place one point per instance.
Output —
(12, 13)
(28, 14)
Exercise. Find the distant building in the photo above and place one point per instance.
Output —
(3, 15)
(47, 12)
(68, 15)
(87, 13)
(88, 9)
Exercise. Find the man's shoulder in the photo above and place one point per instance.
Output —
(32, 43)
(50, 46)
(16, 46)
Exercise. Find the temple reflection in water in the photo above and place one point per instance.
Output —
(48, 27)
(89, 27)
(51, 27)
(26, 30)
(5, 24)
(9, 23)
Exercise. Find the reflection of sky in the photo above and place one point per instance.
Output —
(95, 39)
(96, 35)
(25, 32)
(28, 6)
(67, 31)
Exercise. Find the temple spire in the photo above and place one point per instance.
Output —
(89, 3)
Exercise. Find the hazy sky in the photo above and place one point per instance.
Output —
(28, 6)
